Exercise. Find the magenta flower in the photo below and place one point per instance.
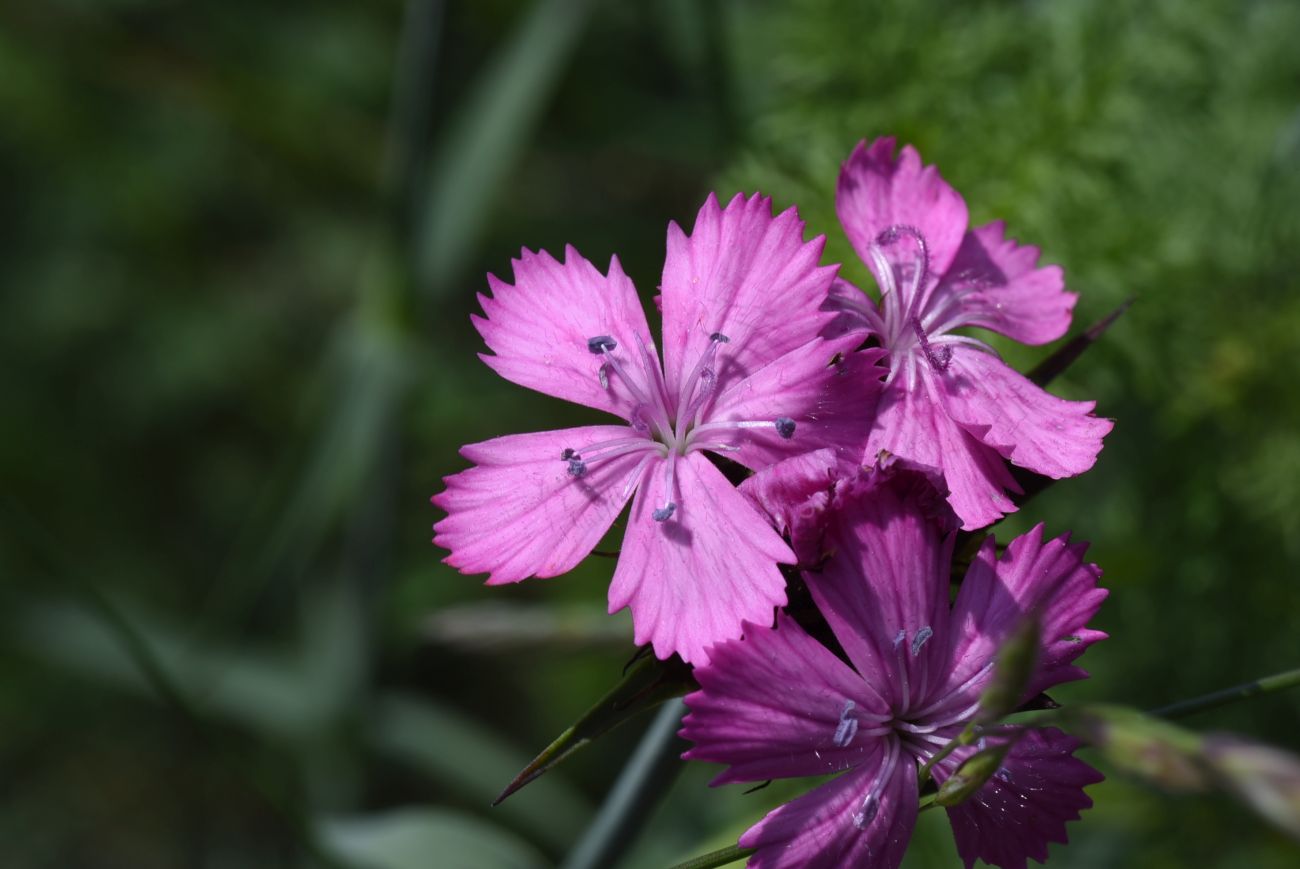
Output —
(950, 402)
(779, 704)
(745, 374)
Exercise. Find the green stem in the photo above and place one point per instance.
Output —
(1266, 685)
(720, 857)
(644, 779)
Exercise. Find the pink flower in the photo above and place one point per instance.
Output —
(779, 704)
(950, 402)
(744, 374)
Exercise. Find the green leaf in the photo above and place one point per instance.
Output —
(647, 684)
(425, 837)
(485, 140)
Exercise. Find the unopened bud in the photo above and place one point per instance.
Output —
(972, 774)
(1017, 661)
(1265, 778)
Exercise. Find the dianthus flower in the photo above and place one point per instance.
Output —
(744, 374)
(780, 704)
(949, 401)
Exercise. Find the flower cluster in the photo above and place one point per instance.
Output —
(791, 428)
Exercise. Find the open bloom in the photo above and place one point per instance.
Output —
(780, 704)
(950, 402)
(744, 374)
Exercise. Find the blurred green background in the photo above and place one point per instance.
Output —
(241, 244)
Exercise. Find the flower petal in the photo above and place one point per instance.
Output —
(519, 513)
(847, 821)
(826, 389)
(691, 580)
(539, 328)
(885, 592)
(1050, 580)
(795, 494)
(877, 191)
(911, 423)
(995, 283)
(1025, 805)
(745, 274)
(1010, 413)
(779, 704)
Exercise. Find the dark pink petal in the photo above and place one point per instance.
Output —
(539, 328)
(848, 821)
(911, 423)
(826, 389)
(518, 513)
(885, 591)
(878, 191)
(1010, 413)
(778, 704)
(747, 275)
(1049, 579)
(1025, 805)
(997, 284)
(795, 494)
(690, 581)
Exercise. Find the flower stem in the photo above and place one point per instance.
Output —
(720, 857)
(1213, 700)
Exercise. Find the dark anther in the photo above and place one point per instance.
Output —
(601, 343)
(569, 453)
(785, 427)
(719, 338)
(577, 467)
(661, 514)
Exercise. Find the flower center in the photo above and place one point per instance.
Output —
(665, 425)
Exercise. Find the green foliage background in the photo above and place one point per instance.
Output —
(236, 360)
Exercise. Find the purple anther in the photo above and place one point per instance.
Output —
(601, 343)
(661, 514)
(784, 427)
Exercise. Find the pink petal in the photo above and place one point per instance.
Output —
(795, 494)
(1008, 412)
(778, 704)
(877, 191)
(518, 513)
(539, 328)
(829, 391)
(1049, 579)
(747, 275)
(995, 283)
(828, 828)
(1025, 805)
(885, 591)
(692, 580)
(910, 423)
